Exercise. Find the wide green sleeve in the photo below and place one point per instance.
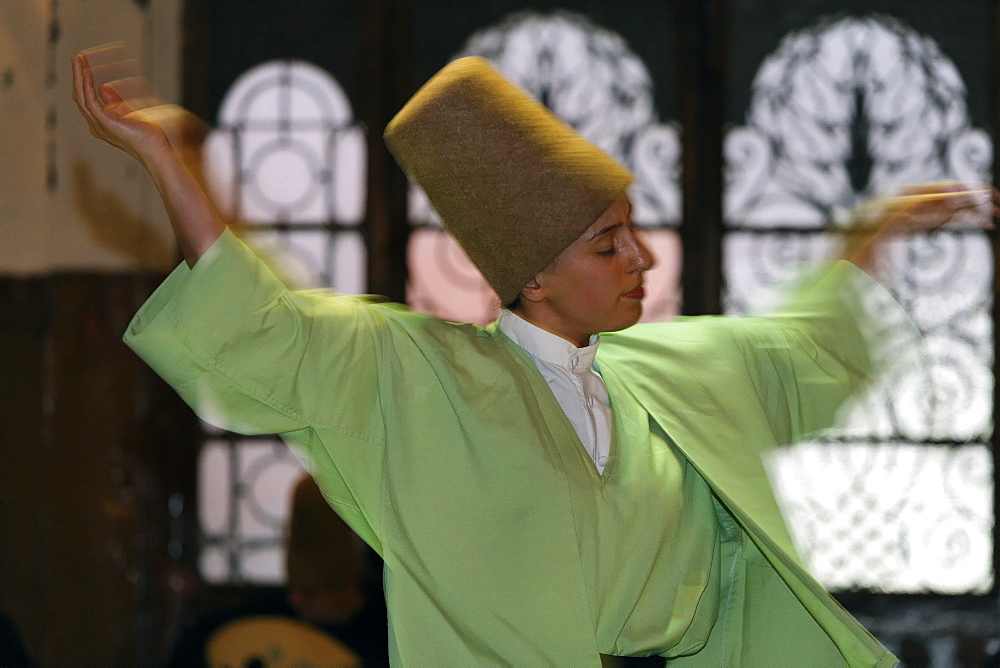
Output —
(250, 356)
(807, 358)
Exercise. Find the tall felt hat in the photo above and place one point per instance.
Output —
(512, 183)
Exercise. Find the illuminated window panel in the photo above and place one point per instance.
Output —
(899, 497)
(287, 162)
(244, 495)
(891, 517)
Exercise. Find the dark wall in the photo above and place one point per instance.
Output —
(93, 441)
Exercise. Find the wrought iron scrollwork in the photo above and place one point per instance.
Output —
(841, 111)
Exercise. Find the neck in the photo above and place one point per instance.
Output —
(550, 325)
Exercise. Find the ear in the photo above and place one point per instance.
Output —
(533, 291)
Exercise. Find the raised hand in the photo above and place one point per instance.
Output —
(920, 208)
(926, 207)
(165, 138)
(121, 109)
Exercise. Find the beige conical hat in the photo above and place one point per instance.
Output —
(512, 183)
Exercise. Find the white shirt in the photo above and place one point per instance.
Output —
(572, 376)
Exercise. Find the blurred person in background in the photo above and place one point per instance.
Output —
(330, 611)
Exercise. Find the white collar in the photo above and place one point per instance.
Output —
(547, 346)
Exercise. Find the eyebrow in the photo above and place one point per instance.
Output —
(604, 231)
(614, 226)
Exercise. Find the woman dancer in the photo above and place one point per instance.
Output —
(560, 487)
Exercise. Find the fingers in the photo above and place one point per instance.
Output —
(106, 55)
(971, 207)
(79, 67)
(128, 94)
(929, 207)
(125, 74)
(111, 66)
(118, 104)
(109, 96)
(948, 202)
(995, 203)
(83, 90)
(956, 193)
(119, 69)
(128, 88)
(98, 115)
(104, 63)
(938, 187)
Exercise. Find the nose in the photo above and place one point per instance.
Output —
(641, 259)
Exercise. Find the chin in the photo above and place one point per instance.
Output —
(625, 322)
(634, 317)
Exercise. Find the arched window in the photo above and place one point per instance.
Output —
(900, 498)
(287, 161)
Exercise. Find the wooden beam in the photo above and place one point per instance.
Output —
(702, 42)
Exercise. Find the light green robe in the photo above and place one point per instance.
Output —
(443, 447)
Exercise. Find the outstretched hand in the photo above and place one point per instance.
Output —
(920, 208)
(165, 138)
(927, 207)
(122, 109)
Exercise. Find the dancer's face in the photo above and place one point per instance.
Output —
(594, 285)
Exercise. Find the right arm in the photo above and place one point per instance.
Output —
(245, 353)
(158, 135)
(223, 330)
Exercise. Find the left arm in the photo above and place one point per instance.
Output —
(807, 358)
(819, 349)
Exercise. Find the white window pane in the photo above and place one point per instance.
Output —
(214, 565)
(895, 518)
(264, 565)
(444, 282)
(244, 499)
(287, 148)
(663, 289)
(350, 176)
(349, 265)
(267, 472)
(214, 476)
(298, 258)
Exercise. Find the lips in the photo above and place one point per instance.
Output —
(637, 293)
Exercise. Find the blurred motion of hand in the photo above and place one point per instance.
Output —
(121, 108)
